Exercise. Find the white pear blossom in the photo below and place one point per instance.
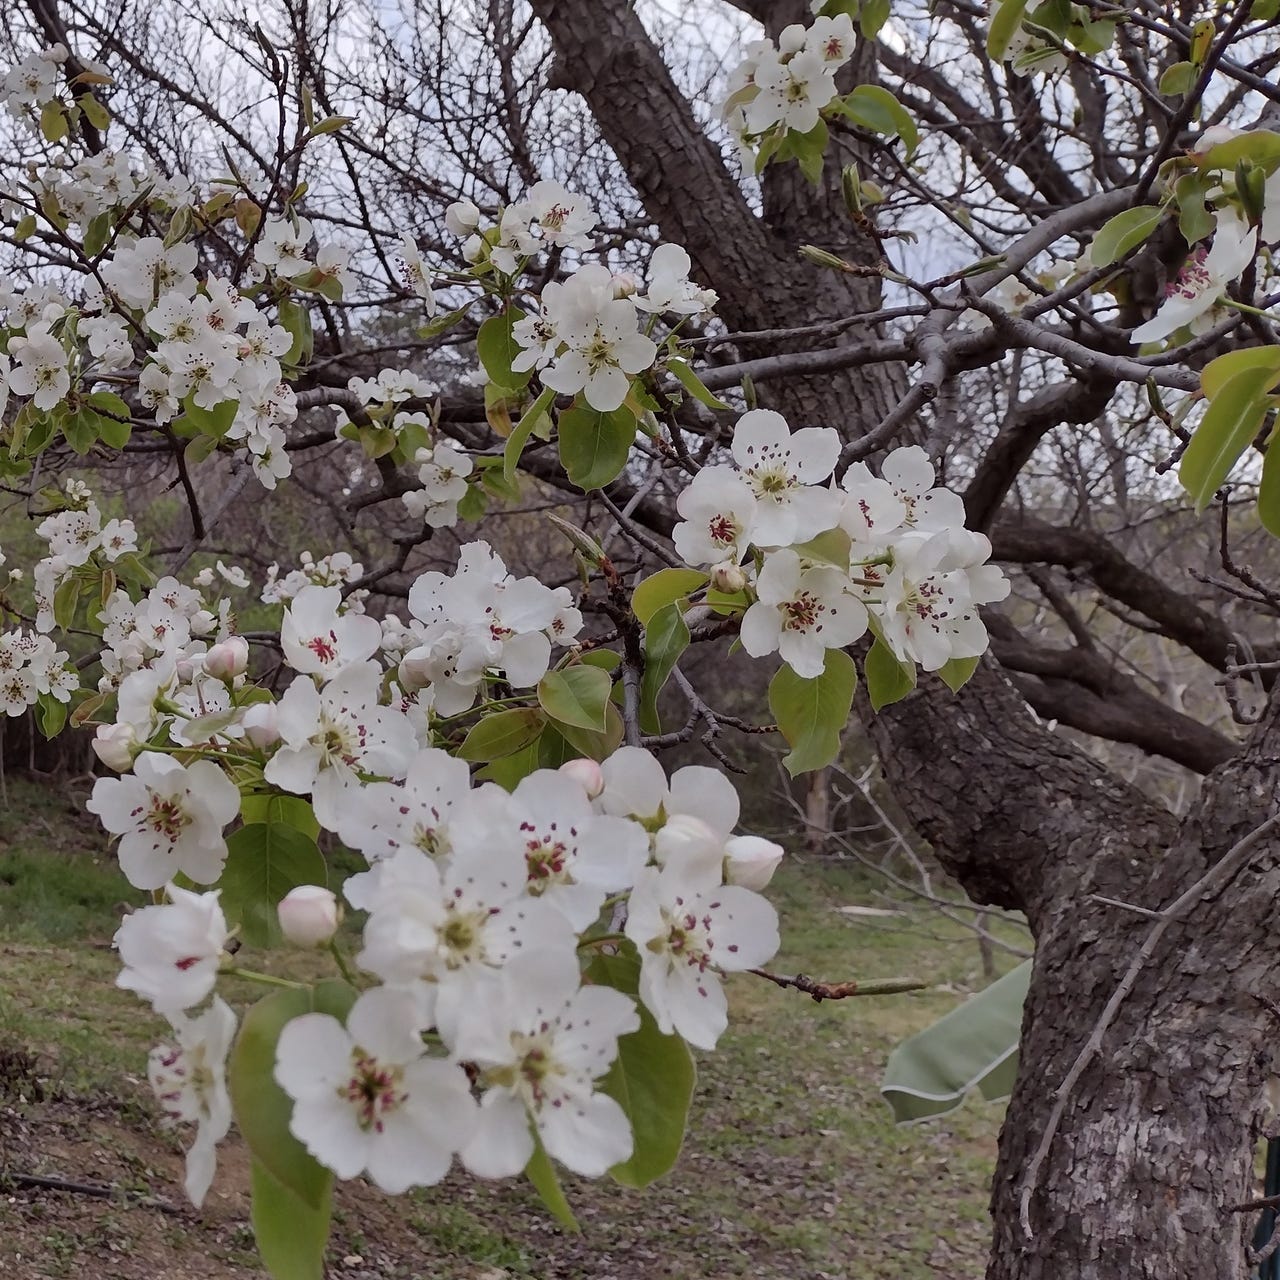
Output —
(541, 1041)
(169, 817)
(189, 1079)
(283, 246)
(801, 613)
(41, 371)
(718, 517)
(782, 469)
(171, 952)
(317, 639)
(414, 272)
(368, 1099)
(688, 930)
(670, 288)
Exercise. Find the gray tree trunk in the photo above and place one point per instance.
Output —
(1156, 1142)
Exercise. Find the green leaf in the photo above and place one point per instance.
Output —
(262, 1108)
(666, 637)
(1234, 417)
(693, 384)
(502, 734)
(662, 588)
(1194, 219)
(51, 714)
(289, 811)
(595, 744)
(877, 109)
(1124, 232)
(1004, 26)
(291, 1234)
(810, 151)
(214, 422)
(956, 672)
(652, 1080)
(199, 449)
(443, 323)
(973, 1046)
(265, 861)
(872, 16)
(1218, 373)
(523, 429)
(888, 680)
(65, 600)
(594, 446)
(96, 114)
(1178, 79)
(53, 121)
(511, 770)
(576, 696)
(812, 713)
(497, 348)
(296, 320)
(1261, 146)
(1269, 489)
(112, 431)
(832, 547)
(81, 431)
(542, 1174)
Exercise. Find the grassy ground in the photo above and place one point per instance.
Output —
(793, 1170)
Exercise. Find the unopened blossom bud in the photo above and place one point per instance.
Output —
(185, 670)
(750, 861)
(624, 284)
(116, 745)
(415, 670)
(462, 217)
(202, 622)
(587, 774)
(683, 836)
(728, 578)
(261, 725)
(228, 658)
(473, 249)
(1212, 137)
(16, 575)
(309, 915)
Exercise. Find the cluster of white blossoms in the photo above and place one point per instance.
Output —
(443, 469)
(784, 87)
(337, 569)
(888, 551)
(485, 1025)
(481, 623)
(33, 81)
(548, 217)
(31, 665)
(585, 338)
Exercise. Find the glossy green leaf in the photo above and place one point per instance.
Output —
(957, 672)
(810, 150)
(51, 715)
(693, 384)
(265, 861)
(595, 446)
(877, 109)
(290, 1233)
(662, 588)
(666, 637)
(577, 696)
(652, 1080)
(872, 15)
(1123, 233)
(523, 429)
(888, 679)
(595, 744)
(502, 734)
(1004, 26)
(542, 1174)
(261, 1107)
(510, 771)
(53, 121)
(290, 811)
(1218, 373)
(1269, 489)
(811, 714)
(1260, 146)
(65, 601)
(497, 348)
(1178, 78)
(1230, 423)
(296, 320)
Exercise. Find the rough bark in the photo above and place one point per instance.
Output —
(1156, 1141)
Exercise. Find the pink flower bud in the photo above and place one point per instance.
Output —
(750, 861)
(115, 745)
(728, 578)
(184, 670)
(260, 725)
(587, 774)
(228, 659)
(309, 915)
